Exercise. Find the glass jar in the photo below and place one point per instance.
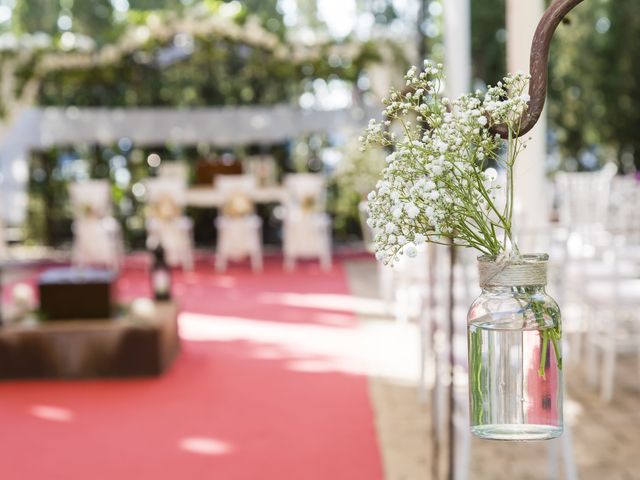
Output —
(515, 358)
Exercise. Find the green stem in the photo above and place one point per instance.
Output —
(543, 353)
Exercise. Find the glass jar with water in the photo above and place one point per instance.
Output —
(515, 358)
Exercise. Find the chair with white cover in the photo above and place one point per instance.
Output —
(166, 223)
(306, 225)
(239, 228)
(97, 236)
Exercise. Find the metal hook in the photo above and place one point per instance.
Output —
(539, 65)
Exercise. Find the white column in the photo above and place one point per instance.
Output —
(532, 198)
(457, 63)
(457, 42)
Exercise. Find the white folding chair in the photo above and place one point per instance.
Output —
(239, 228)
(97, 236)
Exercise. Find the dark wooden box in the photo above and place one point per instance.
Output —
(76, 293)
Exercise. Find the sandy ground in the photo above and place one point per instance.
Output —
(606, 437)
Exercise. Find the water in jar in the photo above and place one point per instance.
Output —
(515, 384)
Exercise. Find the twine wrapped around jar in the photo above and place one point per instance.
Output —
(523, 271)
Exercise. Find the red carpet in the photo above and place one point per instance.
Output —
(264, 388)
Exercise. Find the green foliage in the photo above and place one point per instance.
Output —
(488, 40)
(267, 11)
(155, 4)
(217, 72)
(48, 199)
(95, 19)
(36, 16)
(595, 89)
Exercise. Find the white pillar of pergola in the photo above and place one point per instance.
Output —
(457, 63)
(457, 43)
(532, 202)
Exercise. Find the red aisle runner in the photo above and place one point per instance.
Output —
(264, 388)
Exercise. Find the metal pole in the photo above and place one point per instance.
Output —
(451, 314)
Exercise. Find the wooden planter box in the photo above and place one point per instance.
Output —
(116, 347)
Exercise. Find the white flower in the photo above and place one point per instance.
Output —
(410, 251)
(389, 228)
(419, 239)
(490, 174)
(412, 210)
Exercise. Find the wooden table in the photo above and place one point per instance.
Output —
(208, 197)
(117, 347)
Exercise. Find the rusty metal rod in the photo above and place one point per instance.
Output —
(539, 65)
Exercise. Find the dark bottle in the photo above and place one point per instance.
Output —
(160, 276)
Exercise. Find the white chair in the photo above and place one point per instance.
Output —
(166, 223)
(583, 211)
(614, 323)
(612, 288)
(623, 220)
(306, 225)
(584, 208)
(239, 228)
(97, 236)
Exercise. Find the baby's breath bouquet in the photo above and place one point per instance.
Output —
(439, 186)
(437, 183)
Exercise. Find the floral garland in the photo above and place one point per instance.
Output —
(30, 57)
